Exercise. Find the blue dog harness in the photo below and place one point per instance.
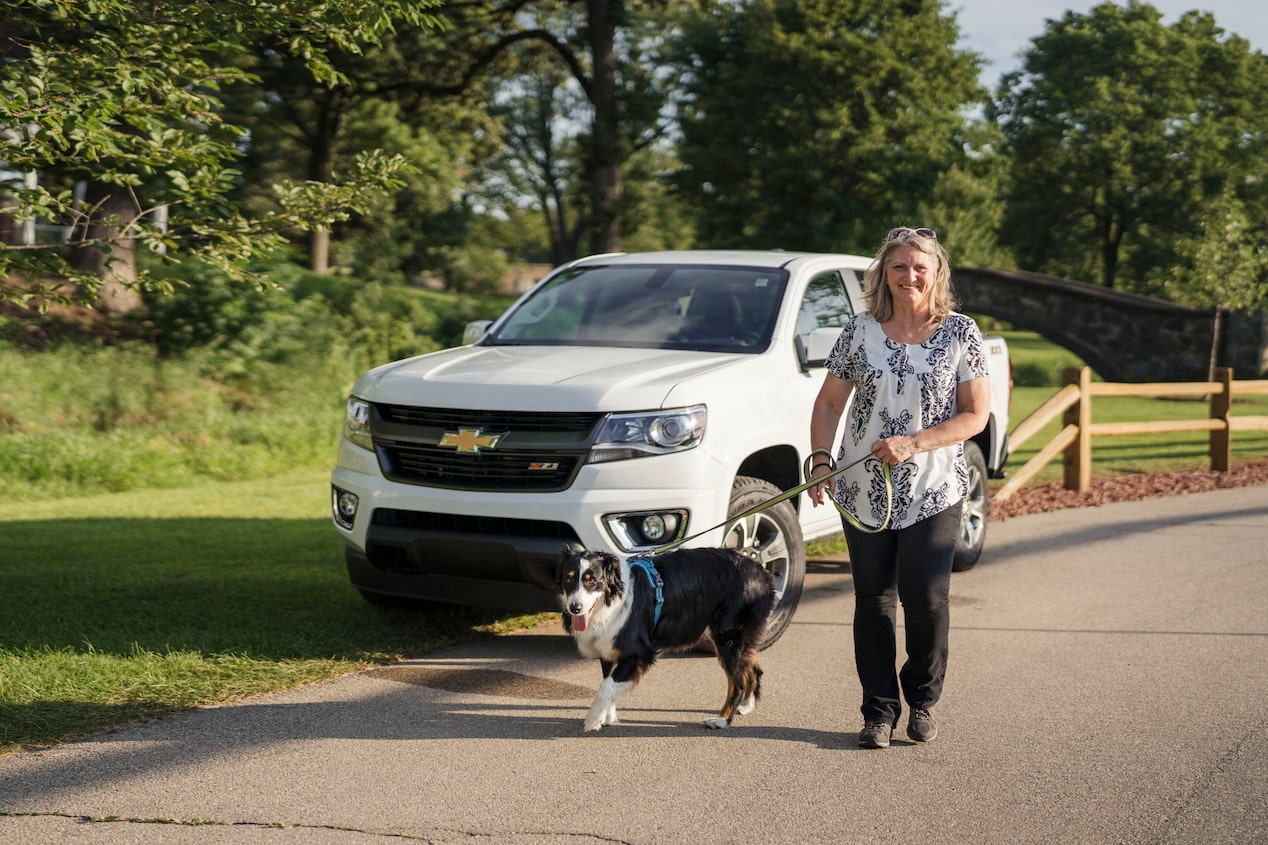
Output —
(649, 569)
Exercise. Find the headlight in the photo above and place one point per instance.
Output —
(356, 423)
(640, 435)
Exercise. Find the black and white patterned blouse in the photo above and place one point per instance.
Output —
(902, 388)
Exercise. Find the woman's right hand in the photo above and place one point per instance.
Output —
(818, 490)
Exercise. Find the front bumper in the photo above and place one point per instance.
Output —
(503, 550)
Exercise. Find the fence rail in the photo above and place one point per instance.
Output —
(1074, 404)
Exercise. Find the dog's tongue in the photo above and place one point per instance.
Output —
(580, 621)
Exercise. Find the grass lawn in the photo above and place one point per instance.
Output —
(133, 605)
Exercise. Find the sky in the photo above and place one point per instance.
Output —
(1001, 29)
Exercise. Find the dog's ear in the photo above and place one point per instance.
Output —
(614, 585)
(569, 551)
(566, 555)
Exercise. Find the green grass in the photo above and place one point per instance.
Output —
(1037, 362)
(134, 605)
(77, 421)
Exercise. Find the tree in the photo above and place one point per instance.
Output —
(123, 98)
(1224, 267)
(1121, 132)
(302, 128)
(965, 204)
(542, 154)
(818, 125)
(607, 48)
(543, 163)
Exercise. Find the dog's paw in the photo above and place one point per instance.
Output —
(716, 723)
(599, 718)
(746, 706)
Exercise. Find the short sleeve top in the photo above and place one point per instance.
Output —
(900, 389)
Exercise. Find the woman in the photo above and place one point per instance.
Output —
(918, 376)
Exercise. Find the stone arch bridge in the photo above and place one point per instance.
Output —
(1122, 336)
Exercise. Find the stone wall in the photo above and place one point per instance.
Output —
(1122, 336)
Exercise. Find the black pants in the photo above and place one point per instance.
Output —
(913, 565)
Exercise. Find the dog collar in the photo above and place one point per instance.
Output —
(649, 569)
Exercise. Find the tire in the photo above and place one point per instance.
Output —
(771, 537)
(977, 507)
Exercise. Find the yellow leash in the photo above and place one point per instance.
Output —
(833, 470)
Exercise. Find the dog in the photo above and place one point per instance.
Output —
(617, 611)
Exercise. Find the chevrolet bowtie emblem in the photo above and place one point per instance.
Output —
(469, 440)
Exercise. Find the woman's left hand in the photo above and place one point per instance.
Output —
(895, 450)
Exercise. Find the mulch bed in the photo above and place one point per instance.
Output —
(1052, 496)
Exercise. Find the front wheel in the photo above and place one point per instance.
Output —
(772, 537)
(977, 507)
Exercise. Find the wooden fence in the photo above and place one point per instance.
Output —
(1074, 441)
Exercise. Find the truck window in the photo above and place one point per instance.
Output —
(657, 306)
(824, 305)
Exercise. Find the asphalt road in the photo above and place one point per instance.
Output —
(1108, 684)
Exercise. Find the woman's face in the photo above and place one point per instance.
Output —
(909, 274)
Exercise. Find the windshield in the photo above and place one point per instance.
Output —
(708, 308)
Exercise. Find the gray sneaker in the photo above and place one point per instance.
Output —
(875, 734)
(920, 726)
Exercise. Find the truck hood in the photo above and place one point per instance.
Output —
(512, 377)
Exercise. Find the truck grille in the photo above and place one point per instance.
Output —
(481, 450)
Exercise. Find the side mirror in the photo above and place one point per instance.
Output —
(474, 331)
(815, 353)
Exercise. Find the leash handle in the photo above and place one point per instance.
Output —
(833, 471)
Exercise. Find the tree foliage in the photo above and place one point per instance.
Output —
(816, 124)
(1122, 136)
(605, 52)
(124, 98)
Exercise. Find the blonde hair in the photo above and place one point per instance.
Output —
(881, 302)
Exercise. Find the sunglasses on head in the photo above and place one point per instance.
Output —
(894, 234)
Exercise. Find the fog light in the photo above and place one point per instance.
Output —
(644, 530)
(656, 527)
(343, 507)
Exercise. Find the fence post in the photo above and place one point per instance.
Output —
(1221, 403)
(1078, 455)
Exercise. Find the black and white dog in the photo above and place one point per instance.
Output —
(626, 612)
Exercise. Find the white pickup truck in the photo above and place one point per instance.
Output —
(625, 402)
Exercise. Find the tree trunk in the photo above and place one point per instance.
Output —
(606, 155)
(322, 137)
(114, 208)
(1217, 332)
(319, 250)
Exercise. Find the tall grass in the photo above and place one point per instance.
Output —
(78, 421)
(226, 384)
